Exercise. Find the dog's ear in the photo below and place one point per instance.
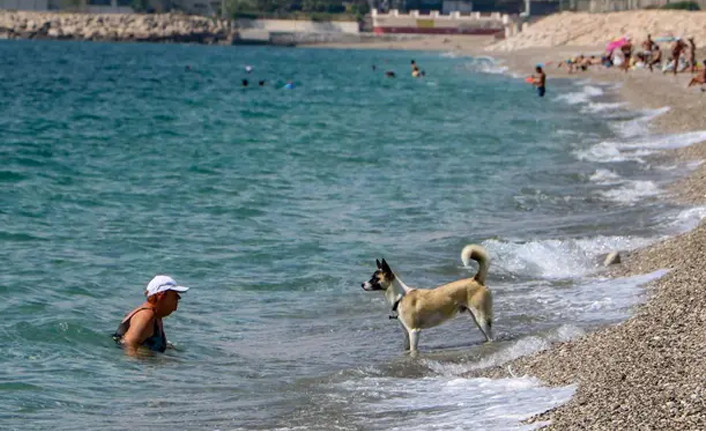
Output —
(385, 267)
(377, 262)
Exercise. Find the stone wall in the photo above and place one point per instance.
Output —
(114, 27)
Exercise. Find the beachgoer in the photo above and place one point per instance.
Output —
(261, 83)
(390, 74)
(415, 69)
(244, 82)
(699, 79)
(606, 60)
(142, 327)
(539, 80)
(655, 57)
(648, 51)
(677, 48)
(583, 62)
(626, 49)
(691, 55)
(568, 63)
(248, 69)
(648, 44)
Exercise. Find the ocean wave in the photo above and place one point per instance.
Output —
(451, 403)
(599, 107)
(631, 191)
(484, 65)
(605, 177)
(638, 126)
(587, 93)
(638, 149)
(686, 220)
(556, 258)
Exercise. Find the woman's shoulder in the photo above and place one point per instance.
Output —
(143, 311)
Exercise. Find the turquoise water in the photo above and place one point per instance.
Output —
(122, 161)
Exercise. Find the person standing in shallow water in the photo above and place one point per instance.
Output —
(142, 327)
(540, 80)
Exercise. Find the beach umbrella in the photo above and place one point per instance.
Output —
(615, 44)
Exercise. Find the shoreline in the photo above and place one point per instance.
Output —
(648, 372)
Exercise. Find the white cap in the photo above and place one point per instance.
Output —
(162, 283)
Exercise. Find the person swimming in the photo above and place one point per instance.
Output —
(539, 80)
(142, 327)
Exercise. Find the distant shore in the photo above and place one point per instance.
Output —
(650, 371)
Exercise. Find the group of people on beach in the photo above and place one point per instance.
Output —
(622, 54)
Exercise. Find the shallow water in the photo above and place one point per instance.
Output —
(119, 162)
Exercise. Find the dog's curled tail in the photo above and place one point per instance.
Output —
(477, 253)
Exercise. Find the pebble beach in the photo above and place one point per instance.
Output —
(647, 373)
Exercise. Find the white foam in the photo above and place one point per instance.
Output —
(485, 65)
(636, 150)
(605, 176)
(438, 403)
(610, 152)
(665, 142)
(687, 220)
(574, 98)
(523, 347)
(685, 166)
(592, 91)
(631, 192)
(596, 107)
(555, 258)
(638, 126)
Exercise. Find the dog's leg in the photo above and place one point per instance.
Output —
(482, 323)
(406, 338)
(413, 341)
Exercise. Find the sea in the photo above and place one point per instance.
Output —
(120, 161)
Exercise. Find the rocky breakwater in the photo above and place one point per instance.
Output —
(169, 27)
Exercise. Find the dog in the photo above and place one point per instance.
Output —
(419, 309)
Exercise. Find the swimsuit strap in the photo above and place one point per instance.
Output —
(133, 312)
(125, 323)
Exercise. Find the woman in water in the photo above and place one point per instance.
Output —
(142, 327)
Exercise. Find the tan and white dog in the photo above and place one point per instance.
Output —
(419, 309)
